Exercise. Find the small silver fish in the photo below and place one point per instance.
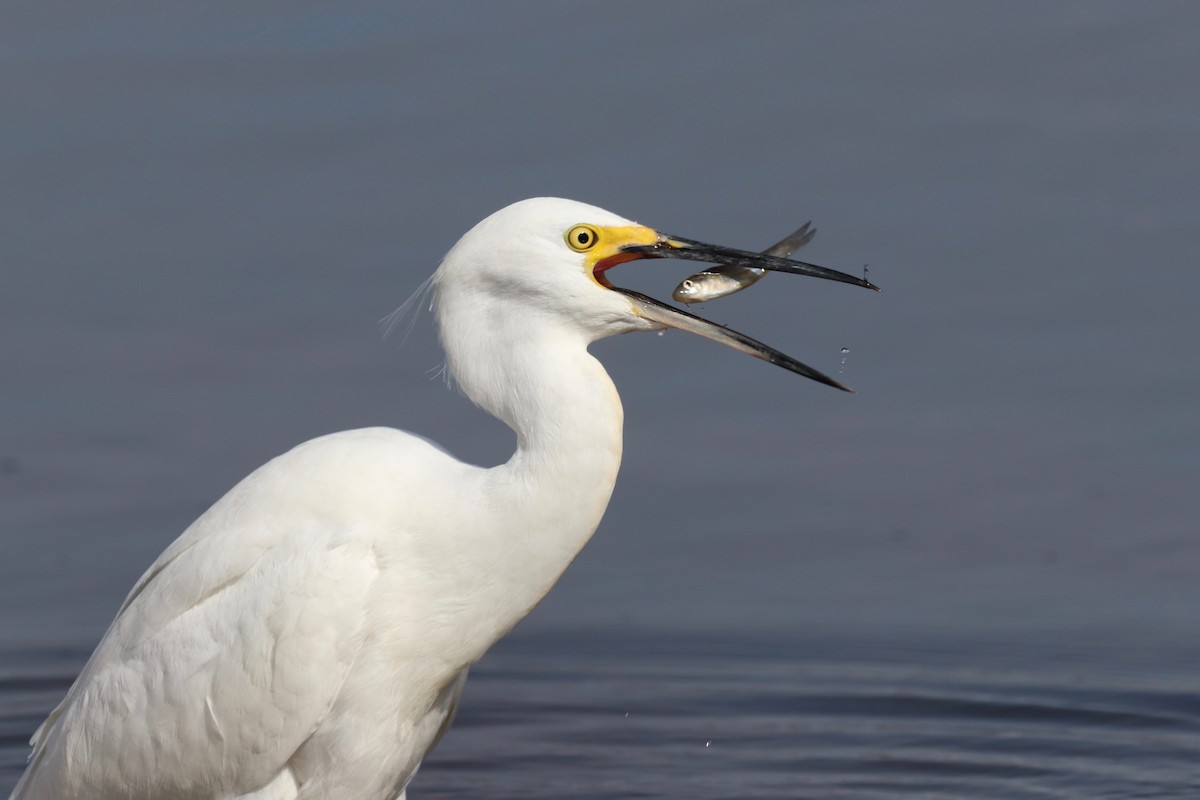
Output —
(728, 278)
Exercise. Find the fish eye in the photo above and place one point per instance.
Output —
(689, 284)
(582, 238)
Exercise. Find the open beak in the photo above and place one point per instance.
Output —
(663, 314)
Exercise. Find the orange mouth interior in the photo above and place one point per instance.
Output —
(606, 264)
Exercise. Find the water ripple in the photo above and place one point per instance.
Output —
(585, 717)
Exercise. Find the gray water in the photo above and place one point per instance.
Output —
(975, 578)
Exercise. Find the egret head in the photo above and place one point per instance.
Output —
(547, 261)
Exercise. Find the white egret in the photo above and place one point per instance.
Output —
(309, 636)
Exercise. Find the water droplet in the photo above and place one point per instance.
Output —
(845, 355)
(708, 743)
(660, 333)
(866, 271)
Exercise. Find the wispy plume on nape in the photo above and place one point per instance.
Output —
(407, 313)
(443, 372)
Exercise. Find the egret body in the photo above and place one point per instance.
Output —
(309, 636)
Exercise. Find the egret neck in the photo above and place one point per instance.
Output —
(534, 372)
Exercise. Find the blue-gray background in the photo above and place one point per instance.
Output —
(207, 208)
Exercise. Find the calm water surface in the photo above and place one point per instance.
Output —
(976, 578)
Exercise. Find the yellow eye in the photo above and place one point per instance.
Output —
(582, 237)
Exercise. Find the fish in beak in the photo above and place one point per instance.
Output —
(688, 249)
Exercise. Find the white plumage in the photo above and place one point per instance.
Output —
(309, 635)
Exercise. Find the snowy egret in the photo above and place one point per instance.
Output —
(309, 635)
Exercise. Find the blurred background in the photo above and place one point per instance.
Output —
(206, 209)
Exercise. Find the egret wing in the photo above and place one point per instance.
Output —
(223, 660)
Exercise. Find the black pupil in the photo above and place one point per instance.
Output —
(583, 237)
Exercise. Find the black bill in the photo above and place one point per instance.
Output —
(687, 249)
(663, 314)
